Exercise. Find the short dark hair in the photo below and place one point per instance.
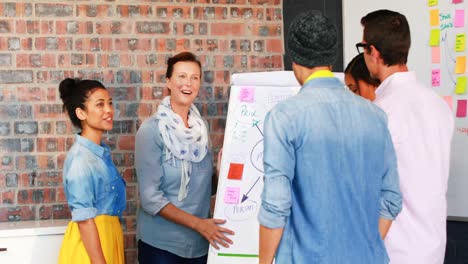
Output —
(358, 70)
(183, 56)
(74, 93)
(388, 31)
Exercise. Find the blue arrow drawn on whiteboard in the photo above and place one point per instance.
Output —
(447, 50)
(256, 124)
(447, 53)
(245, 196)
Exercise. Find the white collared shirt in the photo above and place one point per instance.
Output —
(421, 125)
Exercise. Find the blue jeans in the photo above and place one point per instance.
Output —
(151, 255)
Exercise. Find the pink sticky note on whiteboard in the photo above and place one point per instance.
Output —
(459, 20)
(435, 77)
(435, 54)
(457, 1)
(448, 100)
(247, 94)
(231, 196)
(461, 108)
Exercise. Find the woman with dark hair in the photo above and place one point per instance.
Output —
(94, 189)
(358, 79)
(174, 167)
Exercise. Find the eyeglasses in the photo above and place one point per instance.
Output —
(362, 46)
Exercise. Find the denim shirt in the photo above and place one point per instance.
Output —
(330, 173)
(92, 184)
(159, 184)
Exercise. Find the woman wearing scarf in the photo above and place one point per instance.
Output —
(174, 168)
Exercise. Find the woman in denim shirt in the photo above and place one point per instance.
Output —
(94, 189)
(174, 169)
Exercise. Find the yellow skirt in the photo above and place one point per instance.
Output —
(110, 235)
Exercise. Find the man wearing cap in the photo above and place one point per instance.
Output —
(331, 183)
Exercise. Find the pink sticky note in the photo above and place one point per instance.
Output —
(457, 1)
(461, 108)
(435, 77)
(435, 54)
(231, 196)
(459, 20)
(247, 94)
(448, 100)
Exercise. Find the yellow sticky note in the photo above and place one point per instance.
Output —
(460, 42)
(434, 39)
(434, 17)
(460, 65)
(460, 88)
(432, 2)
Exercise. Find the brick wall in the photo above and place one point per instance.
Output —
(125, 45)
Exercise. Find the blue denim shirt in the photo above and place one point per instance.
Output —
(159, 183)
(92, 184)
(330, 173)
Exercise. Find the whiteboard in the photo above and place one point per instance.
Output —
(422, 62)
(240, 182)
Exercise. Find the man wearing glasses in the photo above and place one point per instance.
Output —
(421, 125)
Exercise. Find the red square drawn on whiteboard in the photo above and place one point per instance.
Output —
(235, 171)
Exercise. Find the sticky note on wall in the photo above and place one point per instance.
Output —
(432, 2)
(460, 88)
(434, 38)
(460, 42)
(461, 108)
(460, 65)
(435, 77)
(448, 100)
(435, 54)
(434, 17)
(459, 19)
(457, 1)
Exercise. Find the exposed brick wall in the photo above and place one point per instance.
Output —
(124, 44)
